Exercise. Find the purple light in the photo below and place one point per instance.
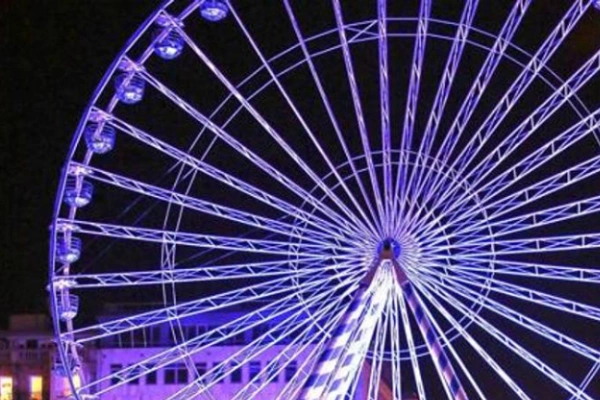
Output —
(99, 138)
(78, 194)
(170, 46)
(68, 250)
(130, 88)
(214, 10)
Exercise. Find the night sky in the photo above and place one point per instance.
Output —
(54, 53)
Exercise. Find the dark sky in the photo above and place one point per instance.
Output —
(53, 55)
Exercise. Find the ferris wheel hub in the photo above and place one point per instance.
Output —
(389, 249)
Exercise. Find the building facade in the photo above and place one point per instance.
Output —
(30, 369)
(26, 358)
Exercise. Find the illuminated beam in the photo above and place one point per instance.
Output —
(332, 168)
(378, 219)
(410, 113)
(358, 111)
(338, 227)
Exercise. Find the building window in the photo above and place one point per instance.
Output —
(201, 330)
(138, 338)
(226, 332)
(236, 373)
(126, 339)
(151, 378)
(259, 331)
(219, 371)
(254, 370)
(6, 388)
(35, 387)
(290, 370)
(114, 368)
(182, 374)
(238, 339)
(135, 381)
(176, 374)
(155, 336)
(31, 344)
(274, 372)
(189, 332)
(170, 375)
(200, 369)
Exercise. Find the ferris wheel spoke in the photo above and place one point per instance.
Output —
(384, 101)
(205, 382)
(536, 191)
(358, 111)
(469, 295)
(410, 114)
(366, 220)
(326, 102)
(201, 240)
(293, 387)
(420, 214)
(431, 334)
(460, 215)
(277, 332)
(527, 221)
(271, 131)
(448, 345)
(450, 70)
(545, 271)
(254, 158)
(529, 295)
(202, 273)
(428, 288)
(443, 92)
(264, 290)
(542, 155)
(519, 350)
(299, 344)
(586, 381)
(536, 119)
(532, 270)
(477, 89)
(288, 355)
(453, 198)
(525, 246)
(278, 308)
(437, 221)
(196, 204)
(183, 350)
(338, 228)
(522, 132)
(527, 76)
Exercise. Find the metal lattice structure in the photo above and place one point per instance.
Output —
(391, 198)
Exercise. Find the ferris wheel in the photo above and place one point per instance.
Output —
(395, 199)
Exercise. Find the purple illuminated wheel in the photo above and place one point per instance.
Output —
(325, 201)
